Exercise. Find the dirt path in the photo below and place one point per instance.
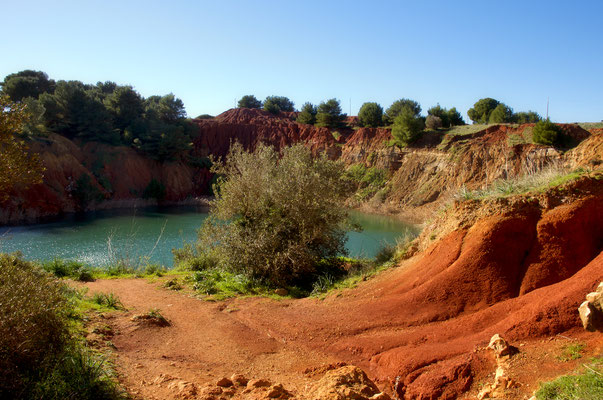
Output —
(204, 343)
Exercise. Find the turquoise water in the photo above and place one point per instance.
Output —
(96, 237)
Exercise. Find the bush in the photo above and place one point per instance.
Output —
(545, 132)
(329, 114)
(307, 114)
(32, 322)
(68, 269)
(432, 122)
(86, 192)
(275, 216)
(276, 104)
(399, 106)
(407, 128)
(154, 190)
(481, 110)
(370, 114)
(249, 101)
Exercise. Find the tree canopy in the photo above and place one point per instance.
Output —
(276, 104)
(371, 115)
(329, 114)
(105, 112)
(249, 101)
(398, 106)
(307, 114)
(18, 167)
(407, 127)
(448, 117)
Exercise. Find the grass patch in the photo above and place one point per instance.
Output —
(586, 384)
(571, 352)
(535, 182)
(109, 300)
(591, 125)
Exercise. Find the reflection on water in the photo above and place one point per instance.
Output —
(134, 234)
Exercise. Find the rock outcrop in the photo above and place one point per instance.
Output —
(591, 311)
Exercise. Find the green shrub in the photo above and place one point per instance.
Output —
(432, 122)
(407, 128)
(399, 106)
(371, 115)
(39, 358)
(307, 114)
(276, 215)
(546, 132)
(154, 190)
(68, 269)
(276, 104)
(329, 114)
(86, 192)
(249, 101)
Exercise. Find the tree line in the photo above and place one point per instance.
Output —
(403, 116)
(104, 112)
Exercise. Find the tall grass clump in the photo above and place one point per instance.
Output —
(39, 357)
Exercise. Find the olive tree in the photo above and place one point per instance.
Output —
(275, 216)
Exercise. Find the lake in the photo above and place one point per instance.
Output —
(152, 232)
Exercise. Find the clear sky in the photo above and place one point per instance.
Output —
(210, 53)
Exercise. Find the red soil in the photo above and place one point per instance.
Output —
(417, 329)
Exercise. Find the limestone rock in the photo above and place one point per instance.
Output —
(239, 379)
(591, 311)
(347, 382)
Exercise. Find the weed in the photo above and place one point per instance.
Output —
(571, 352)
(585, 385)
(68, 269)
(108, 300)
(173, 284)
(153, 317)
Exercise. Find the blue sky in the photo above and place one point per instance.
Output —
(211, 53)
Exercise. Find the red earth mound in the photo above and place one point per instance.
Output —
(521, 275)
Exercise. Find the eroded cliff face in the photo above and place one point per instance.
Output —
(421, 176)
(426, 173)
(118, 177)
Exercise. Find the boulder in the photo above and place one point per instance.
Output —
(347, 382)
(591, 311)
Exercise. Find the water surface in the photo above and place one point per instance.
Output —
(152, 232)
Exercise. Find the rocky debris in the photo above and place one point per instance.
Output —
(503, 352)
(344, 383)
(239, 380)
(591, 311)
(224, 382)
(184, 389)
(239, 387)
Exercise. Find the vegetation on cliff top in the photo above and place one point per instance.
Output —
(104, 112)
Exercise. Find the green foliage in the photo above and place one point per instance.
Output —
(18, 168)
(249, 101)
(571, 352)
(448, 117)
(223, 283)
(85, 192)
(368, 181)
(39, 358)
(399, 106)
(307, 114)
(480, 113)
(276, 104)
(109, 300)
(371, 115)
(546, 132)
(528, 117)
(432, 122)
(586, 385)
(154, 190)
(104, 112)
(275, 216)
(68, 269)
(329, 114)
(407, 128)
(501, 114)
(205, 116)
(27, 83)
